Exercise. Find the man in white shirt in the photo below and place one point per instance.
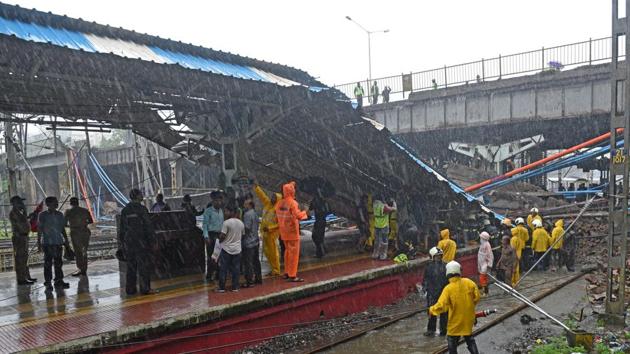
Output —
(230, 257)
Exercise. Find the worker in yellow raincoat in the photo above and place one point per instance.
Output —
(448, 246)
(517, 243)
(269, 228)
(557, 241)
(459, 299)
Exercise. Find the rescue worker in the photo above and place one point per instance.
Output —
(211, 229)
(189, 208)
(485, 260)
(289, 216)
(321, 209)
(137, 238)
(459, 299)
(448, 246)
(269, 228)
(557, 240)
(374, 91)
(517, 243)
(540, 243)
(20, 228)
(523, 234)
(51, 236)
(160, 205)
(533, 215)
(507, 262)
(371, 221)
(358, 93)
(433, 282)
(393, 225)
(382, 212)
(78, 219)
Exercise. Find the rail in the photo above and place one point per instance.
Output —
(590, 52)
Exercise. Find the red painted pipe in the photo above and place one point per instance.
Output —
(516, 171)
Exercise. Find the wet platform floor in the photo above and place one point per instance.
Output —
(31, 318)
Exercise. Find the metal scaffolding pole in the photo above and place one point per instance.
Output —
(11, 157)
(619, 163)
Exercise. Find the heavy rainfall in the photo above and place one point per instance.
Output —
(161, 196)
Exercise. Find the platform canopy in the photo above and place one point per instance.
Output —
(193, 100)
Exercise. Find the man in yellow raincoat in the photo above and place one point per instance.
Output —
(459, 299)
(269, 228)
(448, 246)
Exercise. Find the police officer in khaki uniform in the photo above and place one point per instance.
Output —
(78, 219)
(21, 228)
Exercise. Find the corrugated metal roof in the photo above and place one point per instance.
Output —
(100, 44)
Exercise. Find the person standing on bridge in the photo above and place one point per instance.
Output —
(459, 299)
(448, 246)
(433, 282)
(289, 216)
(374, 91)
(137, 238)
(269, 228)
(358, 93)
(78, 219)
(20, 227)
(386, 91)
(51, 236)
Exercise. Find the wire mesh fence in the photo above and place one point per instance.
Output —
(590, 52)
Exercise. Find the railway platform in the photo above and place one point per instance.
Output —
(186, 314)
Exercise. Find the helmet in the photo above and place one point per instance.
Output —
(484, 235)
(506, 222)
(435, 251)
(519, 221)
(534, 210)
(537, 223)
(453, 268)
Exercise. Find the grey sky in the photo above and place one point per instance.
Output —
(316, 37)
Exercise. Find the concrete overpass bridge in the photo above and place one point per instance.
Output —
(561, 92)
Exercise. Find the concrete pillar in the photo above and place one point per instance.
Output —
(177, 178)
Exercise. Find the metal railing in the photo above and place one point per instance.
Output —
(592, 51)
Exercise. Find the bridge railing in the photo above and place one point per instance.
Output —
(590, 52)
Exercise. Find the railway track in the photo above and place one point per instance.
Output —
(358, 332)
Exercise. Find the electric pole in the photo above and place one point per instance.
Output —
(619, 164)
(11, 155)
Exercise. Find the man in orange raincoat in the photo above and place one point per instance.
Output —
(289, 215)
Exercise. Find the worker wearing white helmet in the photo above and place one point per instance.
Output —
(526, 252)
(433, 282)
(540, 243)
(533, 214)
(459, 299)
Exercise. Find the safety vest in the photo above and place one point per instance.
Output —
(358, 91)
(381, 220)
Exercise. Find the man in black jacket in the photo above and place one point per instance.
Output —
(433, 283)
(137, 238)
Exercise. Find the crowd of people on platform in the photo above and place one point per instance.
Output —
(453, 298)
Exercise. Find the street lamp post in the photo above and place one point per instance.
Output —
(369, 35)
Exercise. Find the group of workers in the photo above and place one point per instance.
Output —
(374, 93)
(453, 298)
(52, 239)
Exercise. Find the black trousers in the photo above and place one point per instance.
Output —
(526, 260)
(212, 268)
(319, 230)
(138, 271)
(470, 343)
(433, 319)
(544, 264)
(251, 263)
(53, 255)
(20, 257)
(282, 249)
(231, 263)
